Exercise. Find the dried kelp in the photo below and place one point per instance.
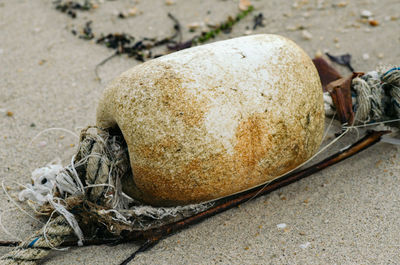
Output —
(70, 7)
(225, 27)
(344, 60)
(140, 49)
(259, 21)
(87, 32)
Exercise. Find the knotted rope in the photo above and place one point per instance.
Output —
(375, 96)
(39, 245)
(88, 192)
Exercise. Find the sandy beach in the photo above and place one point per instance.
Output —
(347, 214)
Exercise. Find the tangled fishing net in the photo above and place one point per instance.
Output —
(88, 191)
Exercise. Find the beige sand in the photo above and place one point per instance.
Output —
(349, 214)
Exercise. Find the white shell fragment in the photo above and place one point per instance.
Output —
(216, 119)
(305, 245)
(281, 226)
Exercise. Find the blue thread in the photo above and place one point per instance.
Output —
(391, 70)
(33, 242)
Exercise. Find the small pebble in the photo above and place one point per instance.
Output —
(374, 23)
(193, 26)
(366, 14)
(380, 55)
(169, 2)
(318, 54)
(132, 11)
(244, 4)
(365, 56)
(10, 113)
(306, 35)
(281, 226)
(342, 4)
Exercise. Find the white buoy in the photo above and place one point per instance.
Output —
(216, 119)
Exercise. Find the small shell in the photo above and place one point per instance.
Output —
(217, 119)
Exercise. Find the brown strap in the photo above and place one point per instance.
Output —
(326, 72)
(340, 91)
(339, 88)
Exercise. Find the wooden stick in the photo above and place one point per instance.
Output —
(153, 236)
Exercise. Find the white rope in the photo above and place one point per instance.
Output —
(375, 96)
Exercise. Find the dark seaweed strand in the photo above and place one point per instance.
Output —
(125, 43)
(87, 33)
(142, 49)
(258, 21)
(225, 27)
(344, 59)
(69, 7)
